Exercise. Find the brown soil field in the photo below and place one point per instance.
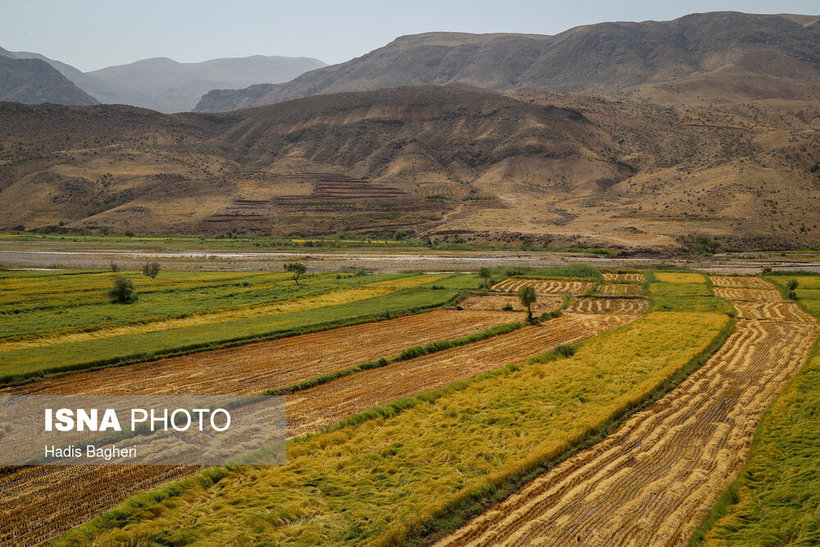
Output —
(88, 491)
(746, 282)
(255, 367)
(497, 303)
(654, 479)
(542, 286)
(768, 295)
(619, 289)
(608, 305)
(624, 277)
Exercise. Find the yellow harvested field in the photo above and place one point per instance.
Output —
(767, 295)
(619, 289)
(332, 298)
(545, 286)
(654, 480)
(497, 302)
(634, 277)
(776, 311)
(609, 305)
(668, 277)
(739, 282)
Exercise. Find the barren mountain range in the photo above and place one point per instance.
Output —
(640, 153)
(749, 55)
(165, 85)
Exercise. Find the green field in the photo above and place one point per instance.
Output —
(776, 498)
(404, 471)
(182, 311)
(688, 292)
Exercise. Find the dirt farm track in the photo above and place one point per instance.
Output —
(653, 480)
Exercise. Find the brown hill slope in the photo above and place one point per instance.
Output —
(33, 81)
(603, 58)
(447, 161)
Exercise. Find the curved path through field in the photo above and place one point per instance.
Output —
(77, 494)
(654, 479)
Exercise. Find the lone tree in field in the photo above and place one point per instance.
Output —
(296, 269)
(486, 277)
(150, 269)
(791, 286)
(123, 291)
(527, 297)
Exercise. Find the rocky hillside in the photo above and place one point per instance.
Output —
(33, 81)
(447, 162)
(782, 54)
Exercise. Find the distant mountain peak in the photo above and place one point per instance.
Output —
(601, 58)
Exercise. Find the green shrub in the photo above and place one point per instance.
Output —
(123, 291)
(150, 269)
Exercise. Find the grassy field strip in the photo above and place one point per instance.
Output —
(680, 278)
(667, 464)
(20, 364)
(23, 489)
(776, 496)
(102, 313)
(382, 478)
(333, 298)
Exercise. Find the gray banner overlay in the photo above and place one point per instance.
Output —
(145, 430)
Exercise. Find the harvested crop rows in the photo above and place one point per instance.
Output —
(252, 368)
(767, 295)
(326, 404)
(655, 478)
(739, 282)
(87, 491)
(608, 305)
(498, 302)
(619, 289)
(780, 311)
(633, 277)
(545, 286)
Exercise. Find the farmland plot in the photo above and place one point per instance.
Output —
(608, 305)
(656, 477)
(767, 295)
(632, 277)
(499, 302)
(739, 282)
(252, 368)
(619, 289)
(92, 490)
(545, 286)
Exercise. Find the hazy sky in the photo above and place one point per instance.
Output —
(92, 34)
